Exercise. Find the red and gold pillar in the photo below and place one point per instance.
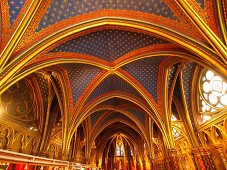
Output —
(219, 149)
(197, 159)
(173, 159)
(205, 154)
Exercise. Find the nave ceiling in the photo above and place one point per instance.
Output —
(92, 70)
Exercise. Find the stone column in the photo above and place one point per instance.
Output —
(173, 158)
(167, 162)
(205, 153)
(87, 159)
(197, 159)
(65, 156)
(153, 165)
(182, 158)
(138, 164)
(193, 156)
(218, 147)
(8, 148)
(150, 163)
(97, 163)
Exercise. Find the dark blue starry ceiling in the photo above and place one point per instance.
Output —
(58, 86)
(201, 3)
(187, 76)
(146, 73)
(95, 116)
(15, 7)
(138, 114)
(43, 85)
(172, 73)
(80, 76)
(116, 115)
(115, 102)
(61, 10)
(108, 44)
(113, 83)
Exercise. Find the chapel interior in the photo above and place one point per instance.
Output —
(113, 84)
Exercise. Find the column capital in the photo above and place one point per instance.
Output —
(65, 156)
(195, 151)
(8, 147)
(173, 151)
(218, 147)
(204, 151)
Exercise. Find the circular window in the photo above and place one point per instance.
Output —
(213, 94)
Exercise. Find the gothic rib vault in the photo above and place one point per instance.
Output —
(115, 84)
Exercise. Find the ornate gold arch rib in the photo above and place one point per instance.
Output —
(137, 129)
(201, 50)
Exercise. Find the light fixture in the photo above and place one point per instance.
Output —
(33, 128)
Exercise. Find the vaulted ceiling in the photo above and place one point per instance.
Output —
(99, 62)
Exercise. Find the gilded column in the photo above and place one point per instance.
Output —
(144, 164)
(205, 153)
(65, 156)
(150, 163)
(183, 161)
(218, 147)
(193, 155)
(197, 159)
(153, 164)
(173, 159)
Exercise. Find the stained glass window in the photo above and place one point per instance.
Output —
(119, 147)
(176, 133)
(173, 118)
(213, 94)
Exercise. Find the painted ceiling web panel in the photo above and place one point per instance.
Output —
(187, 84)
(80, 76)
(95, 116)
(116, 115)
(172, 73)
(187, 77)
(138, 114)
(201, 3)
(146, 72)
(43, 85)
(115, 102)
(111, 116)
(113, 83)
(61, 10)
(108, 44)
(15, 7)
(18, 102)
(59, 87)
